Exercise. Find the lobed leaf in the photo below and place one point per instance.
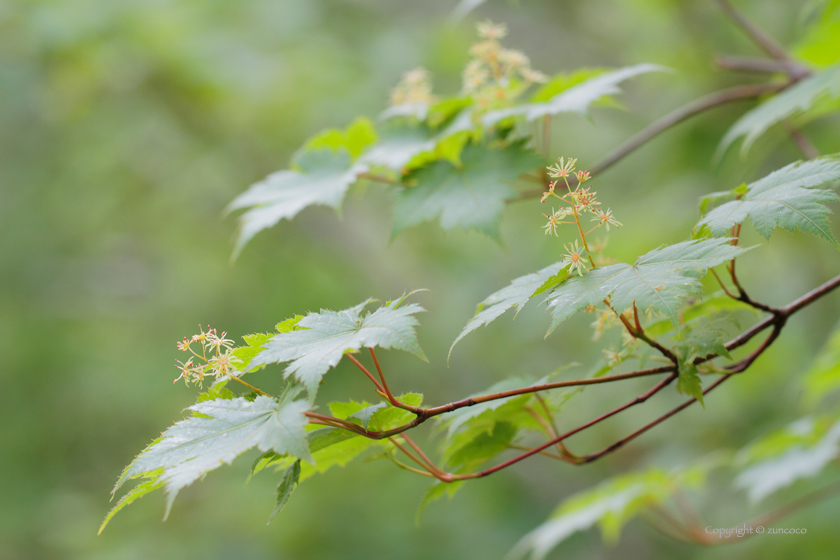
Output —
(152, 483)
(323, 179)
(659, 280)
(321, 339)
(516, 295)
(225, 429)
(799, 97)
(787, 198)
(472, 196)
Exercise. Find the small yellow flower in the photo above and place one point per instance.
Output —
(563, 168)
(491, 31)
(576, 256)
(605, 217)
(554, 220)
(582, 176)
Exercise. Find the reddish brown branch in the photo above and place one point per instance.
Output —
(359, 365)
(700, 105)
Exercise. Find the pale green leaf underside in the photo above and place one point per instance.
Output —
(576, 99)
(227, 428)
(323, 338)
(798, 97)
(795, 457)
(786, 198)
(516, 295)
(324, 178)
(609, 504)
(472, 196)
(397, 146)
(659, 280)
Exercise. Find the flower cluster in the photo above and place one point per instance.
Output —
(216, 358)
(414, 88)
(580, 199)
(496, 76)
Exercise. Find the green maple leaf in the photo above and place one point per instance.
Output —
(224, 429)
(287, 484)
(787, 198)
(355, 138)
(323, 179)
(516, 295)
(398, 145)
(659, 280)
(799, 97)
(820, 46)
(610, 505)
(800, 450)
(472, 196)
(823, 378)
(688, 383)
(575, 99)
(321, 339)
(486, 445)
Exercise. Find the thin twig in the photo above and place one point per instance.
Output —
(375, 177)
(761, 65)
(764, 41)
(254, 389)
(802, 142)
(359, 365)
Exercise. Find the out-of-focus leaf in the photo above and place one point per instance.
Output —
(800, 450)
(435, 491)
(415, 110)
(323, 179)
(799, 97)
(576, 99)
(610, 505)
(516, 295)
(482, 448)
(322, 339)
(561, 82)
(355, 138)
(787, 198)
(470, 197)
(398, 145)
(820, 45)
(824, 376)
(659, 280)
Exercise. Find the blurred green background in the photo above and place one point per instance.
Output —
(126, 126)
